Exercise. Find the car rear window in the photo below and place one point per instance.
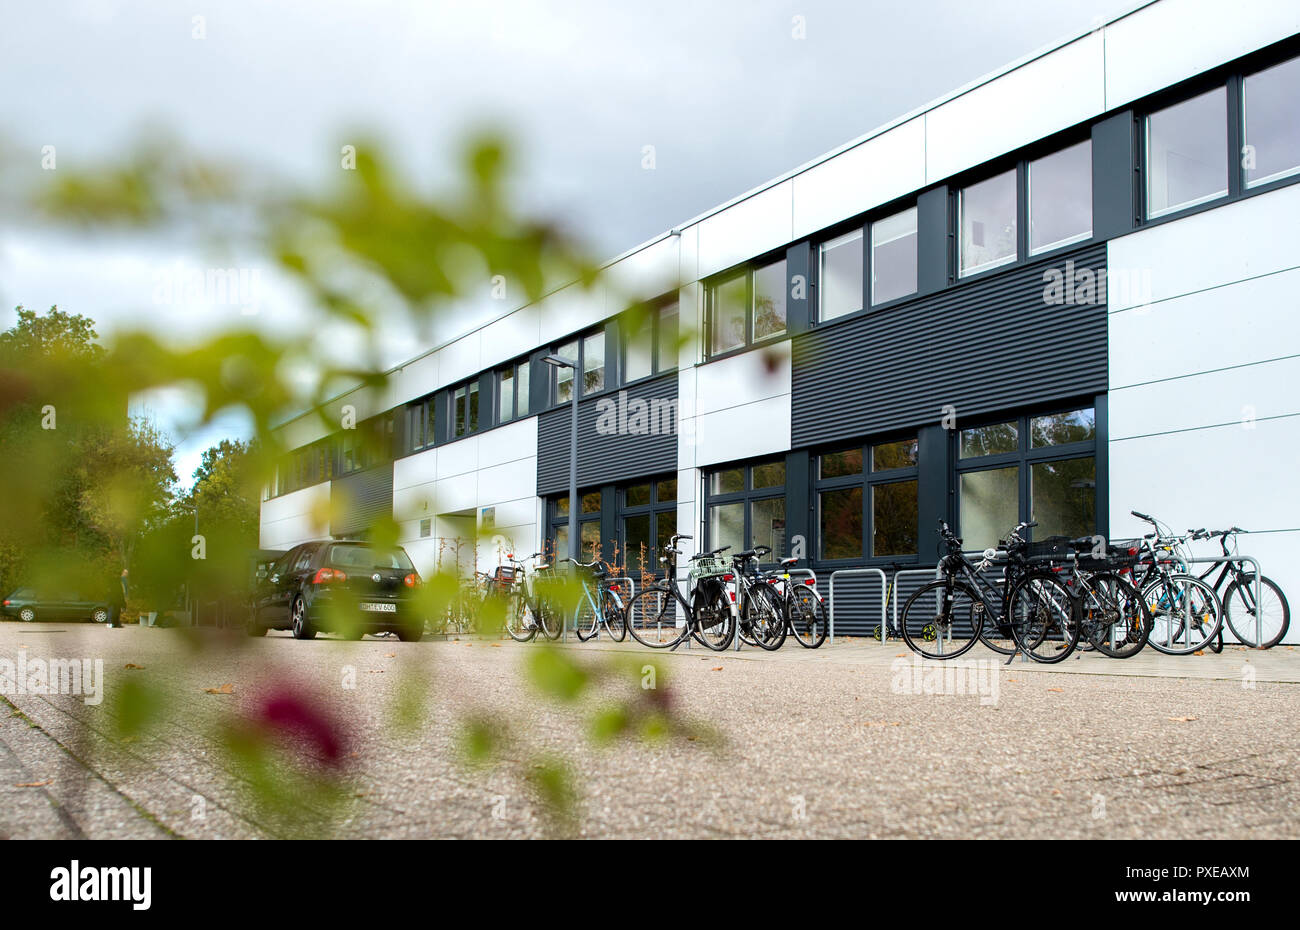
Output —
(354, 556)
(23, 594)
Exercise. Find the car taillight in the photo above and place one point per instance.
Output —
(327, 575)
(7, 603)
(411, 580)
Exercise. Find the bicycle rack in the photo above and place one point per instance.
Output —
(884, 591)
(794, 571)
(1259, 589)
(934, 573)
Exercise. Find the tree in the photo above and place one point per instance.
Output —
(128, 482)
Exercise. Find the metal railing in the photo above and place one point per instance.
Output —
(884, 595)
(1259, 591)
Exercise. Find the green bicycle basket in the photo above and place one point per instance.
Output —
(710, 567)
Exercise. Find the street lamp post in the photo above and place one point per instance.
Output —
(574, 546)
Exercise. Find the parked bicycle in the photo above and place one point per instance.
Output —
(1185, 611)
(761, 615)
(801, 604)
(1033, 607)
(532, 605)
(708, 614)
(599, 604)
(1240, 608)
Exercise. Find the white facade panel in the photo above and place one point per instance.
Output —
(645, 274)
(461, 359)
(749, 376)
(508, 443)
(1046, 95)
(458, 458)
(876, 171)
(751, 227)
(569, 310)
(1167, 42)
(743, 431)
(510, 337)
(295, 518)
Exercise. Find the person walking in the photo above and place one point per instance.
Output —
(118, 591)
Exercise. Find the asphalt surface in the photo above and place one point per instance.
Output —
(853, 740)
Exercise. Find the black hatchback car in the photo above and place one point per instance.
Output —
(28, 604)
(350, 588)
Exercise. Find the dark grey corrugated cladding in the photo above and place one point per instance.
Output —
(360, 499)
(985, 346)
(607, 458)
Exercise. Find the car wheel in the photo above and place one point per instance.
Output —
(99, 615)
(27, 614)
(302, 628)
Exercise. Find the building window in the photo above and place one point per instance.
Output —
(745, 507)
(893, 256)
(464, 403)
(1272, 129)
(649, 520)
(987, 212)
(588, 526)
(1060, 198)
(512, 392)
(588, 353)
(649, 341)
(420, 425)
(1187, 153)
(564, 376)
(747, 306)
(593, 363)
(839, 276)
(867, 501)
(1035, 468)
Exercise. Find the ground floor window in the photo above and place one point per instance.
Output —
(1039, 468)
(648, 517)
(588, 526)
(745, 506)
(866, 501)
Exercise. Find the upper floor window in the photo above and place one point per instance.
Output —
(512, 391)
(839, 276)
(747, 306)
(1187, 153)
(464, 408)
(893, 256)
(370, 443)
(1272, 125)
(649, 341)
(1060, 198)
(987, 216)
(419, 425)
(588, 353)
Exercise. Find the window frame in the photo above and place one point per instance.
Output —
(653, 509)
(1026, 456)
(866, 479)
(654, 313)
(517, 390)
(579, 340)
(746, 271)
(746, 496)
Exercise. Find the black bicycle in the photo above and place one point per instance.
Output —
(1238, 598)
(709, 615)
(1033, 606)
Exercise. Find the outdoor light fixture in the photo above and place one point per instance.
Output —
(559, 362)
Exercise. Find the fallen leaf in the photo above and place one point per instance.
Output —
(900, 655)
(1056, 689)
(223, 689)
(1199, 652)
(376, 671)
(390, 655)
(33, 784)
(883, 723)
(1182, 719)
(495, 645)
(132, 665)
(716, 668)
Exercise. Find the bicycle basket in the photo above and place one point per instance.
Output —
(710, 567)
(504, 574)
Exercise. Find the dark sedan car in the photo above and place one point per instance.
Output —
(28, 604)
(350, 588)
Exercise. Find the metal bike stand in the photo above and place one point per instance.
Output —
(830, 596)
(1259, 590)
(934, 573)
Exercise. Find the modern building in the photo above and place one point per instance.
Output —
(1063, 292)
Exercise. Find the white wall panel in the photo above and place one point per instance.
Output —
(749, 376)
(517, 334)
(1167, 42)
(297, 517)
(458, 458)
(571, 309)
(1044, 96)
(461, 359)
(645, 274)
(874, 172)
(1251, 237)
(759, 428)
(416, 379)
(746, 229)
(508, 443)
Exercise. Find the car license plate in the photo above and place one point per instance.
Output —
(380, 608)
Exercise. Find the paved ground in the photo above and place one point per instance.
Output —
(848, 741)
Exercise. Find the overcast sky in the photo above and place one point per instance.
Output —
(722, 89)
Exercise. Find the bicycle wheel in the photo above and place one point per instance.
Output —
(766, 617)
(612, 613)
(586, 619)
(806, 616)
(996, 635)
(712, 623)
(520, 623)
(1239, 608)
(1116, 619)
(1185, 614)
(939, 620)
(550, 618)
(652, 619)
(1043, 618)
